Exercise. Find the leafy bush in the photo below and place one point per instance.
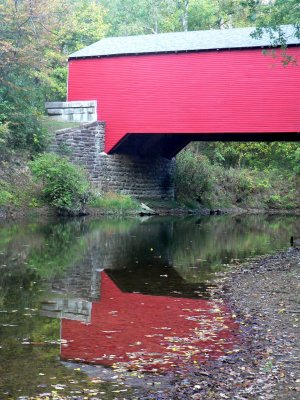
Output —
(254, 155)
(4, 132)
(4, 135)
(21, 120)
(198, 179)
(5, 197)
(64, 185)
(28, 132)
(274, 201)
(193, 176)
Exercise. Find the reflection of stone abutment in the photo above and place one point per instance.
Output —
(71, 309)
(142, 246)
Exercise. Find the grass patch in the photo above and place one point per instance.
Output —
(114, 202)
(17, 189)
(53, 126)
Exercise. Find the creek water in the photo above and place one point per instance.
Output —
(118, 295)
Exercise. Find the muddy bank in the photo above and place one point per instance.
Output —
(14, 214)
(9, 214)
(264, 296)
(182, 210)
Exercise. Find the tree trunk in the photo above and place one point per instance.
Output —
(185, 16)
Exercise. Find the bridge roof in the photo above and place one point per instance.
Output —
(236, 38)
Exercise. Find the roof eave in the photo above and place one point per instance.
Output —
(180, 51)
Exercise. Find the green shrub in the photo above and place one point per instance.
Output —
(115, 202)
(27, 132)
(200, 181)
(254, 155)
(193, 176)
(7, 194)
(4, 132)
(5, 197)
(274, 201)
(21, 110)
(4, 136)
(240, 182)
(64, 185)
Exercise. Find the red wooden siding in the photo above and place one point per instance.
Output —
(237, 91)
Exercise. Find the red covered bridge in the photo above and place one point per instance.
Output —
(156, 93)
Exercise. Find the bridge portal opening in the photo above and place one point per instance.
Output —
(168, 145)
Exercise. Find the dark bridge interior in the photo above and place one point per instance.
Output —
(168, 145)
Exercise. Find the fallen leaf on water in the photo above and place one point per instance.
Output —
(59, 387)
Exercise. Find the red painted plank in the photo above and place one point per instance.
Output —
(237, 91)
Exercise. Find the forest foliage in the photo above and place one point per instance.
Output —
(36, 37)
(247, 175)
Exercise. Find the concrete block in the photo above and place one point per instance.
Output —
(55, 111)
(70, 104)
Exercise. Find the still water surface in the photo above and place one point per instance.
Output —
(124, 293)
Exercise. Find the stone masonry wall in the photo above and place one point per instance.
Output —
(139, 177)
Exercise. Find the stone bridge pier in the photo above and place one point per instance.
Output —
(140, 177)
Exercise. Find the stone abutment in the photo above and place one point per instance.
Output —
(140, 177)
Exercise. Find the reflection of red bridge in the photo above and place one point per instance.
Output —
(148, 332)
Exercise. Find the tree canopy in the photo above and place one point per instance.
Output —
(36, 37)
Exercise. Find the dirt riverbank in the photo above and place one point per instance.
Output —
(264, 296)
(21, 213)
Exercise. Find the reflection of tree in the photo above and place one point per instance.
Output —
(70, 252)
(63, 244)
(202, 247)
(20, 327)
(18, 286)
(31, 252)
